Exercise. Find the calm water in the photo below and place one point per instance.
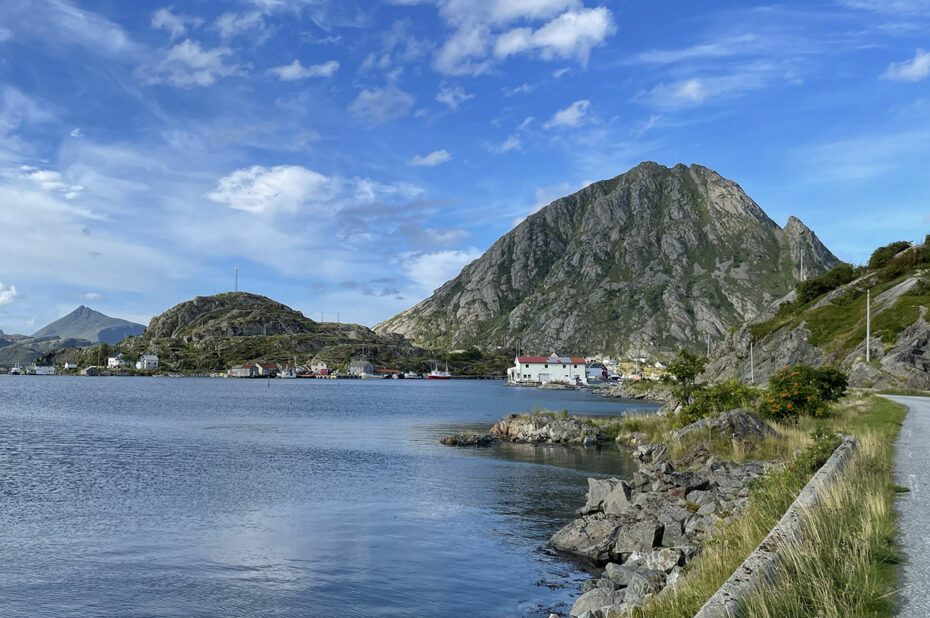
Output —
(198, 497)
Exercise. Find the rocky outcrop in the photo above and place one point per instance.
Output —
(646, 529)
(645, 262)
(901, 346)
(734, 424)
(469, 439)
(546, 428)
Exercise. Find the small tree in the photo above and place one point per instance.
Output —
(682, 375)
(802, 390)
(718, 398)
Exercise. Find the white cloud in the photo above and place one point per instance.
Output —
(465, 52)
(95, 296)
(571, 35)
(188, 64)
(431, 270)
(282, 188)
(374, 107)
(5, 35)
(176, 25)
(296, 71)
(433, 159)
(572, 116)
(77, 132)
(911, 70)
(7, 294)
(526, 122)
(234, 24)
(452, 96)
(49, 180)
(697, 90)
(511, 143)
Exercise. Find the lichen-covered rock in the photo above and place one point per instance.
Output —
(598, 489)
(543, 428)
(596, 601)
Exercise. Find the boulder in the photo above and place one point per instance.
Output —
(596, 601)
(618, 500)
(737, 424)
(659, 559)
(542, 428)
(604, 537)
(598, 490)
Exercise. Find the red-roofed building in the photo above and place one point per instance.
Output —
(543, 369)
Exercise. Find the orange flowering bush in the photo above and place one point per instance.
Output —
(801, 390)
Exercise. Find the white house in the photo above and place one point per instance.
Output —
(360, 367)
(147, 362)
(316, 365)
(542, 369)
(115, 362)
(44, 370)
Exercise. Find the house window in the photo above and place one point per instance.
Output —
(576, 366)
(547, 366)
(527, 366)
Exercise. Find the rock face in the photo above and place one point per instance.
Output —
(645, 530)
(737, 424)
(901, 345)
(647, 261)
(545, 428)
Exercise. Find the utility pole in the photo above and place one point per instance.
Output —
(236, 268)
(868, 324)
(708, 344)
(752, 365)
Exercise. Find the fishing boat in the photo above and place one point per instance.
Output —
(435, 374)
(16, 370)
(412, 375)
(370, 376)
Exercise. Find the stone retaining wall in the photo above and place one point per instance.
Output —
(761, 564)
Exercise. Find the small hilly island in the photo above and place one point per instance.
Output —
(651, 261)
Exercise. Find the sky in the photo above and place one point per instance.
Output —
(349, 157)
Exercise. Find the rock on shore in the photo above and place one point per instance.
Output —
(646, 529)
(469, 439)
(547, 429)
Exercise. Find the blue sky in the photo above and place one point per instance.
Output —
(351, 156)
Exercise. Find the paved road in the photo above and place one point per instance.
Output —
(912, 469)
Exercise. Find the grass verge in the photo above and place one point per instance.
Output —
(848, 568)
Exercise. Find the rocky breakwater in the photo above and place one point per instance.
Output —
(547, 429)
(645, 530)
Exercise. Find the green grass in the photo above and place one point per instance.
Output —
(847, 568)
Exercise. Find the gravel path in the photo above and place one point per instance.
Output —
(912, 470)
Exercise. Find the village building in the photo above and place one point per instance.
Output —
(544, 369)
(115, 362)
(90, 371)
(286, 370)
(248, 370)
(360, 367)
(147, 362)
(317, 365)
(40, 370)
(70, 366)
(267, 370)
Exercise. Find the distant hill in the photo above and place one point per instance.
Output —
(211, 333)
(647, 262)
(86, 324)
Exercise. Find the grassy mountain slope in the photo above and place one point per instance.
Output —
(824, 322)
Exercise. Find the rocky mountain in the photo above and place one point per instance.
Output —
(216, 332)
(644, 263)
(827, 326)
(86, 324)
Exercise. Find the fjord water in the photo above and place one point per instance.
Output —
(200, 497)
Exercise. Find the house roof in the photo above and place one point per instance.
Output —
(551, 360)
(267, 365)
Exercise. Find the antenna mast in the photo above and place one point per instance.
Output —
(236, 268)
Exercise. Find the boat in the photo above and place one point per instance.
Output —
(16, 370)
(435, 374)
(370, 376)
(412, 375)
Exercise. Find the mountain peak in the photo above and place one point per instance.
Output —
(86, 324)
(648, 261)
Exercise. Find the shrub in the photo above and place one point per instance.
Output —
(682, 373)
(827, 282)
(802, 390)
(882, 255)
(716, 399)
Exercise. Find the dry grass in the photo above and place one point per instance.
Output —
(847, 566)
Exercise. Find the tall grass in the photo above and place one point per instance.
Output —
(846, 567)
